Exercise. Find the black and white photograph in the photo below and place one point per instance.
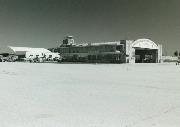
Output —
(89, 63)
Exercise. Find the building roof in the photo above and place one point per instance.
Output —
(28, 49)
(5, 49)
(100, 43)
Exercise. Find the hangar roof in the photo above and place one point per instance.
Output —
(28, 49)
(5, 49)
(144, 43)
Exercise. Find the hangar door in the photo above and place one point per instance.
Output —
(146, 55)
(146, 51)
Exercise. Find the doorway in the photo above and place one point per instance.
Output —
(146, 56)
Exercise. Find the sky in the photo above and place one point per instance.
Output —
(44, 23)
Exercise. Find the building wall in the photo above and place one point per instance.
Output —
(87, 49)
(129, 51)
(91, 53)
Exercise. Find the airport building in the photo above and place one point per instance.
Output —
(123, 51)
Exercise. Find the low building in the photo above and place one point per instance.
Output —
(169, 58)
(123, 51)
(32, 53)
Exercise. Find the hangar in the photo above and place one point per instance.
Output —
(143, 51)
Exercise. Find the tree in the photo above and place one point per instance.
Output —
(176, 53)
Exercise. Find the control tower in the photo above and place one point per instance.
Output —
(68, 40)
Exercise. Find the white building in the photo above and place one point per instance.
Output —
(27, 52)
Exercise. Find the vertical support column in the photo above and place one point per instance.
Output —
(132, 55)
(131, 52)
(159, 53)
